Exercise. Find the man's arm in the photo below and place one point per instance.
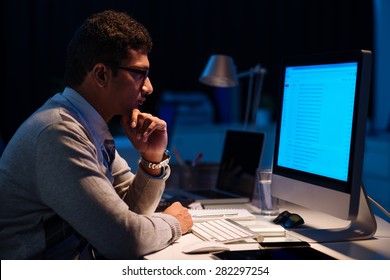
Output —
(72, 184)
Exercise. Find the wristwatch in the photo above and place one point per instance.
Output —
(154, 165)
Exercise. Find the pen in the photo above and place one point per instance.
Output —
(197, 159)
(178, 156)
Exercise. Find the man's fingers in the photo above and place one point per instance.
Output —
(161, 125)
(134, 118)
(143, 124)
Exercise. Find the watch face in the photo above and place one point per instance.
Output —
(165, 162)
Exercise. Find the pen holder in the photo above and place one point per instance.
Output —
(200, 176)
(188, 175)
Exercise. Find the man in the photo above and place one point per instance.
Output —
(65, 192)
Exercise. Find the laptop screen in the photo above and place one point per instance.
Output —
(240, 158)
(315, 98)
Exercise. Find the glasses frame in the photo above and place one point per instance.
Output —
(143, 72)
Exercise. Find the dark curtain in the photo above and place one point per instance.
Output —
(185, 33)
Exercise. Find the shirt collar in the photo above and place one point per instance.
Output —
(89, 113)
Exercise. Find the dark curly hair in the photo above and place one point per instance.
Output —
(105, 38)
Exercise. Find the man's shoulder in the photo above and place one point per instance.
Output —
(53, 118)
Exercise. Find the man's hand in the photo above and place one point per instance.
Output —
(182, 215)
(147, 133)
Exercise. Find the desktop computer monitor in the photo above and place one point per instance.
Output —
(320, 135)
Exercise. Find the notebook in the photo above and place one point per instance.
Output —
(241, 157)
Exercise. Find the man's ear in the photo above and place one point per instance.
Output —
(100, 74)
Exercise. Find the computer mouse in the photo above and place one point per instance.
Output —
(205, 247)
(293, 220)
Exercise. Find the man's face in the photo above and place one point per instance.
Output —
(130, 87)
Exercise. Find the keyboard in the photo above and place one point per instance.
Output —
(223, 230)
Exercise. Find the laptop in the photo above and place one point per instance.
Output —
(235, 182)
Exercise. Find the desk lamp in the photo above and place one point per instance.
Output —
(220, 71)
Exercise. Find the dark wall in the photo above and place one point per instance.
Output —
(185, 34)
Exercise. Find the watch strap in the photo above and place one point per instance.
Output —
(157, 165)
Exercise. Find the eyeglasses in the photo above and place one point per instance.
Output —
(288, 220)
(142, 73)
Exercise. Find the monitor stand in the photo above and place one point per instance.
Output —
(362, 227)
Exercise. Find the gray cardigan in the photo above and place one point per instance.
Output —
(54, 166)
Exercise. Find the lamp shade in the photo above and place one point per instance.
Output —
(220, 71)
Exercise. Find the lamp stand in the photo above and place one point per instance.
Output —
(254, 92)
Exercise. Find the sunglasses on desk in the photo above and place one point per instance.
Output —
(288, 220)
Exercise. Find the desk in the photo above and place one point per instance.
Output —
(377, 248)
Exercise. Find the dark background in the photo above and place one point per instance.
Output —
(185, 34)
